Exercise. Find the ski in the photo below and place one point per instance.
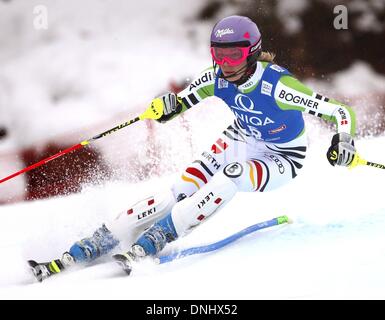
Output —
(125, 260)
(42, 271)
(220, 244)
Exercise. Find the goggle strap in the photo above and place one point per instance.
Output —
(257, 46)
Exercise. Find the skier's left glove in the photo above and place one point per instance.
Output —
(342, 150)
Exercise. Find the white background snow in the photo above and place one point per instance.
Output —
(109, 58)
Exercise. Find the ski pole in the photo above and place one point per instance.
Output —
(224, 242)
(357, 161)
(154, 112)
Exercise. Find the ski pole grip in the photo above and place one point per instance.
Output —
(154, 111)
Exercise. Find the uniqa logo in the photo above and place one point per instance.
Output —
(248, 115)
(221, 32)
(244, 103)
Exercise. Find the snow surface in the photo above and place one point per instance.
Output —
(334, 249)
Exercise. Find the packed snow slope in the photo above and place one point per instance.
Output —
(334, 249)
(92, 64)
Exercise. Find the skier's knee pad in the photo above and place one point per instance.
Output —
(132, 222)
(198, 173)
(190, 212)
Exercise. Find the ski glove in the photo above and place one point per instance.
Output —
(342, 150)
(171, 106)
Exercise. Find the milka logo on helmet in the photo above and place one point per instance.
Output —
(247, 113)
(221, 32)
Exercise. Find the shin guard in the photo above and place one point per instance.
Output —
(192, 211)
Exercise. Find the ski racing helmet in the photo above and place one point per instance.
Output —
(235, 39)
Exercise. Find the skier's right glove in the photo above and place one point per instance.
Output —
(171, 106)
(342, 150)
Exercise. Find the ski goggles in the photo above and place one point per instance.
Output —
(232, 55)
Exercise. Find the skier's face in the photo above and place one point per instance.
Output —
(229, 70)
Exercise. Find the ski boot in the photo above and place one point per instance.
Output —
(85, 250)
(149, 243)
(44, 270)
(88, 249)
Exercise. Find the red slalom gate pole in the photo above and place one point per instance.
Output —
(155, 111)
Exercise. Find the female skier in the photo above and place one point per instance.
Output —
(263, 149)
